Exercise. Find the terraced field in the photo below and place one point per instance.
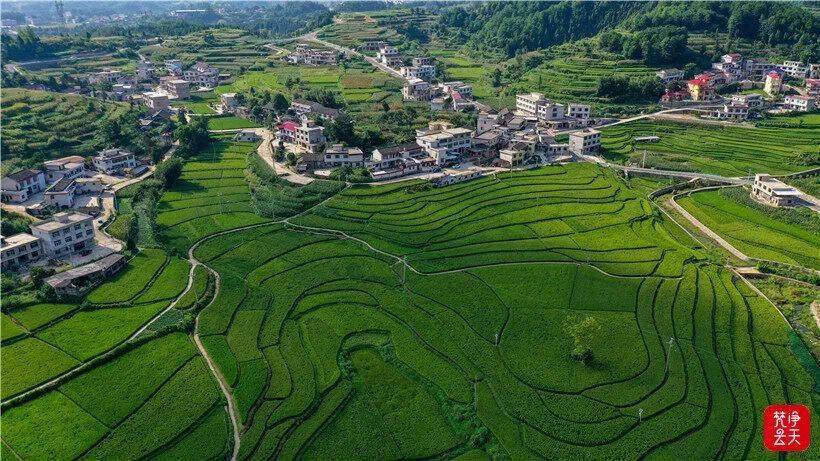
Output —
(229, 50)
(52, 125)
(782, 145)
(755, 233)
(388, 323)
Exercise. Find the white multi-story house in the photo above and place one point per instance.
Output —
(228, 101)
(774, 192)
(202, 74)
(669, 75)
(528, 103)
(312, 56)
(156, 101)
(550, 111)
(19, 250)
(106, 76)
(61, 193)
(813, 88)
(65, 233)
(114, 161)
(451, 142)
(584, 141)
(464, 89)
(72, 167)
(732, 111)
(578, 111)
(338, 155)
(795, 69)
(751, 100)
(389, 56)
(424, 72)
(145, 71)
(309, 138)
(423, 61)
(799, 103)
(19, 186)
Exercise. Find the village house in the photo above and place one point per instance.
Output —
(774, 192)
(465, 90)
(757, 68)
(338, 155)
(752, 100)
(584, 141)
(799, 69)
(304, 54)
(773, 85)
(669, 75)
(579, 111)
(310, 108)
(799, 103)
(247, 136)
(156, 101)
(76, 281)
(701, 88)
(114, 161)
(19, 250)
(732, 111)
(309, 137)
(176, 88)
(65, 233)
(105, 76)
(416, 89)
(424, 72)
(389, 56)
(202, 74)
(454, 178)
(447, 144)
(385, 157)
(145, 71)
(813, 88)
(173, 66)
(71, 167)
(61, 193)
(399, 160)
(19, 186)
(513, 155)
(228, 101)
(286, 131)
(372, 45)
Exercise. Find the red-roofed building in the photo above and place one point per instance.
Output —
(813, 87)
(774, 83)
(700, 88)
(287, 131)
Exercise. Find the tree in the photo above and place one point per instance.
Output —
(280, 152)
(341, 130)
(38, 274)
(495, 76)
(280, 103)
(168, 171)
(583, 334)
(193, 137)
(292, 158)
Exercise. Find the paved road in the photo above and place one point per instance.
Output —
(703, 228)
(14, 67)
(313, 37)
(667, 173)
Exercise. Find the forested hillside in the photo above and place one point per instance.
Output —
(526, 26)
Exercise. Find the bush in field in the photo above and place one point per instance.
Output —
(583, 333)
(168, 171)
(350, 174)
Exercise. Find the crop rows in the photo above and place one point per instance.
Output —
(447, 331)
(723, 150)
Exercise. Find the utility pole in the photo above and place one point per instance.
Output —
(668, 351)
(640, 414)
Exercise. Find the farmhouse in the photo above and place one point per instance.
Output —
(61, 193)
(202, 74)
(578, 111)
(372, 45)
(114, 161)
(585, 141)
(105, 76)
(156, 101)
(389, 56)
(65, 233)
(513, 155)
(78, 280)
(145, 71)
(287, 131)
(19, 250)
(173, 66)
(385, 155)
(338, 155)
(751, 100)
(700, 88)
(67, 167)
(455, 178)
(813, 88)
(176, 88)
(228, 101)
(799, 103)
(423, 72)
(19, 186)
(309, 137)
(247, 136)
(304, 54)
(774, 83)
(447, 144)
(416, 89)
(774, 192)
(669, 75)
(732, 111)
(310, 108)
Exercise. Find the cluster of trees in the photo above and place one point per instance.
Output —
(623, 88)
(26, 45)
(350, 174)
(323, 96)
(193, 137)
(655, 45)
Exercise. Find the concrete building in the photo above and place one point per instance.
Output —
(513, 155)
(309, 137)
(65, 233)
(701, 88)
(338, 155)
(732, 111)
(455, 178)
(448, 144)
(173, 66)
(105, 76)
(579, 111)
(61, 193)
(424, 72)
(385, 155)
(813, 88)
(114, 161)
(372, 45)
(757, 68)
(528, 103)
(423, 61)
(156, 101)
(464, 89)
(145, 71)
(67, 167)
(416, 89)
(585, 141)
(752, 100)
(799, 69)
(389, 56)
(228, 101)
(774, 192)
(247, 136)
(670, 75)
(773, 85)
(176, 88)
(313, 109)
(799, 103)
(304, 54)
(19, 186)
(19, 250)
(202, 74)
(287, 131)
(76, 281)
